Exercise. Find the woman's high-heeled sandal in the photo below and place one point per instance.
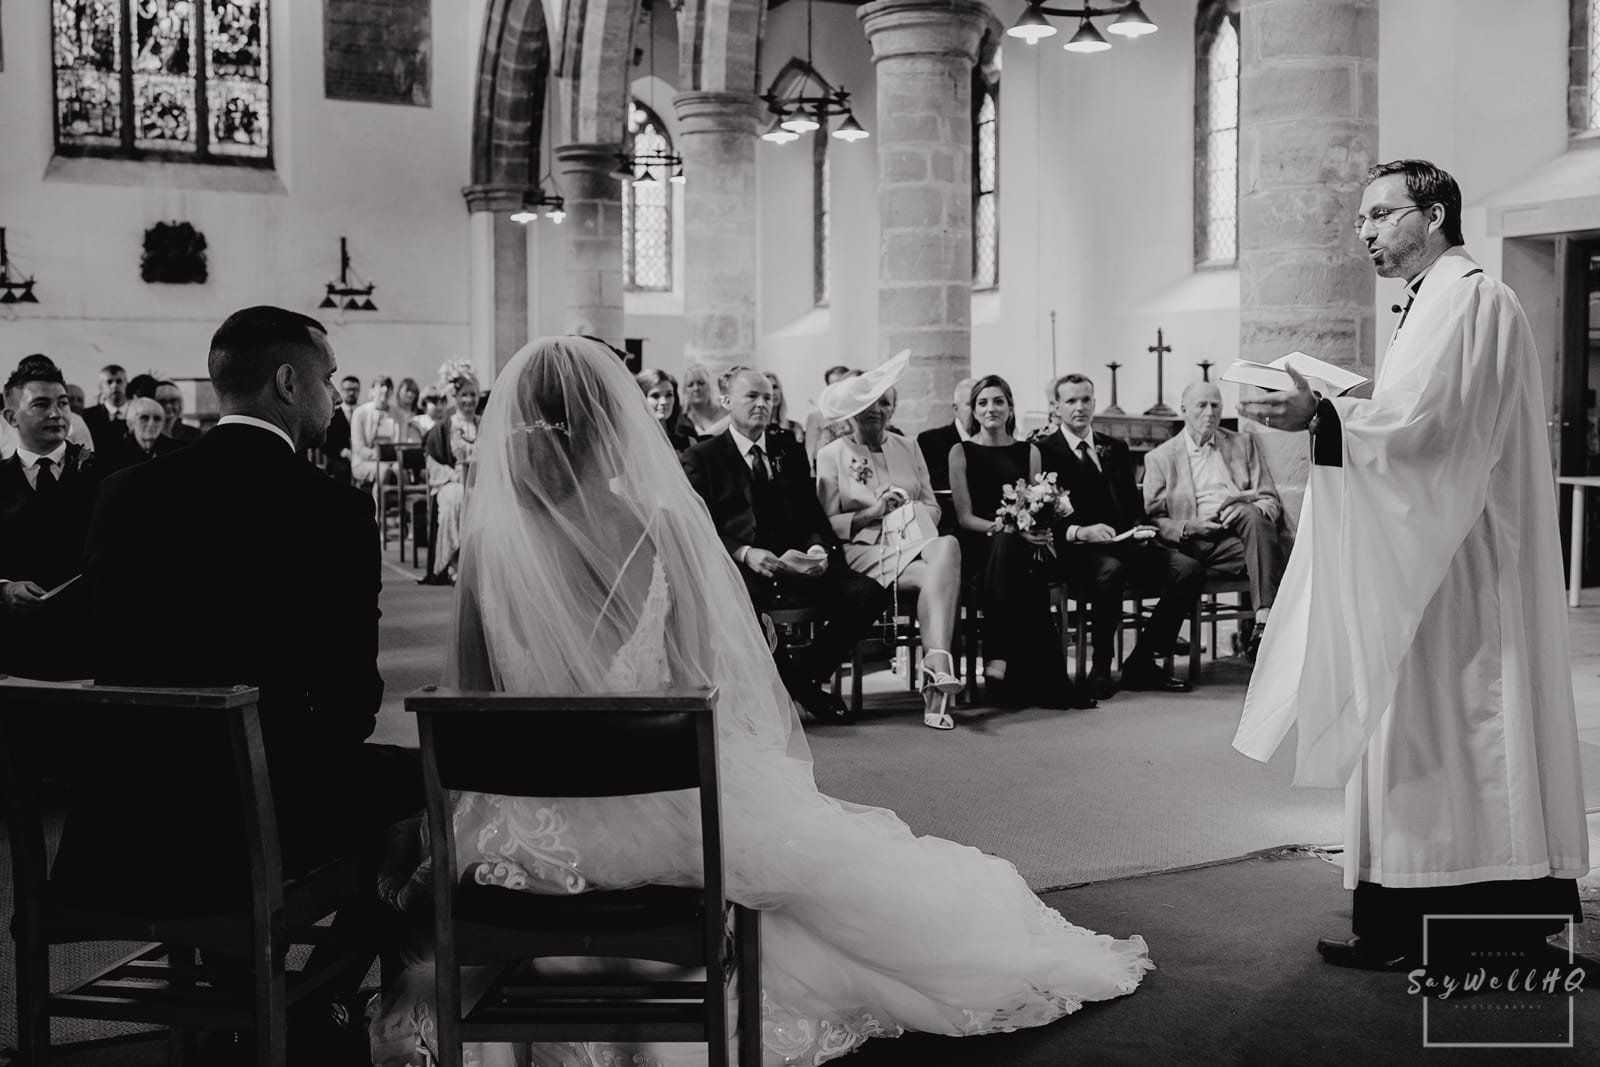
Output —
(932, 677)
(936, 715)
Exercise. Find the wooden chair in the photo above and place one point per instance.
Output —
(408, 465)
(1083, 609)
(163, 982)
(792, 619)
(589, 746)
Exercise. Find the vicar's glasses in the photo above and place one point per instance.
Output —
(1383, 218)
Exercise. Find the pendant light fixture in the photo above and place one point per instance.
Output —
(1130, 22)
(809, 104)
(647, 168)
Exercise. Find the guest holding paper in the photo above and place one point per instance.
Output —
(759, 491)
(1023, 663)
(47, 494)
(875, 490)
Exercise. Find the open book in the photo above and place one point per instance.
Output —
(1325, 378)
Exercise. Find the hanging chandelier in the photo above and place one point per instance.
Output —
(553, 204)
(809, 104)
(356, 297)
(647, 168)
(1130, 22)
(18, 290)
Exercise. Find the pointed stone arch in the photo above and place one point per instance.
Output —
(513, 70)
(718, 45)
(596, 58)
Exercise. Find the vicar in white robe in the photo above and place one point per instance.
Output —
(1420, 636)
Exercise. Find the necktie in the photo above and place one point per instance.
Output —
(1083, 454)
(758, 469)
(46, 478)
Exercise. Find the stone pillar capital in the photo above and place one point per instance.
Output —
(719, 112)
(494, 197)
(903, 28)
(590, 157)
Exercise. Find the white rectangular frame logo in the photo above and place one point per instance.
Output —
(1571, 1013)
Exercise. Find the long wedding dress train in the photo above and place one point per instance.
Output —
(867, 929)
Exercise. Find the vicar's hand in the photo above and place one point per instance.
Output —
(762, 562)
(1099, 533)
(21, 596)
(1283, 409)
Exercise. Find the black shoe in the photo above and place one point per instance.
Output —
(1101, 685)
(1365, 955)
(1146, 675)
(822, 705)
(436, 579)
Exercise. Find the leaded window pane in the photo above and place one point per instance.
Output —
(237, 99)
(822, 177)
(647, 210)
(88, 64)
(193, 83)
(985, 190)
(1217, 172)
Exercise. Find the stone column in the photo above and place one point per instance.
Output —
(594, 239)
(498, 277)
(717, 134)
(924, 51)
(1308, 131)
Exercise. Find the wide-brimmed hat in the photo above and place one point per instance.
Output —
(848, 397)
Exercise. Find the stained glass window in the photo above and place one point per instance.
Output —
(985, 190)
(163, 79)
(821, 180)
(1217, 145)
(647, 209)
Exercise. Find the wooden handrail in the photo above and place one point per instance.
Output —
(15, 690)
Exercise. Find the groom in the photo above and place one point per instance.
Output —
(759, 491)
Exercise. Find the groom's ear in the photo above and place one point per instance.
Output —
(283, 382)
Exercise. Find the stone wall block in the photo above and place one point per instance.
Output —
(1297, 217)
(1315, 28)
(916, 256)
(1329, 152)
(1267, 333)
(914, 207)
(1286, 278)
(1298, 88)
(1367, 79)
(912, 306)
(905, 164)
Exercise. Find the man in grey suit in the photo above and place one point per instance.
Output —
(1211, 496)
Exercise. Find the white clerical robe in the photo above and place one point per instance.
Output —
(1419, 639)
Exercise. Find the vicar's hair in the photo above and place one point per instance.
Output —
(34, 368)
(1427, 184)
(991, 381)
(250, 346)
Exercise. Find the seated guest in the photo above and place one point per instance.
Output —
(1022, 659)
(936, 445)
(145, 419)
(703, 414)
(373, 424)
(661, 393)
(435, 408)
(1098, 473)
(47, 494)
(1209, 493)
(407, 406)
(866, 483)
(75, 397)
(105, 418)
(759, 491)
(813, 434)
(77, 430)
(450, 447)
(780, 410)
(170, 397)
(285, 598)
(142, 385)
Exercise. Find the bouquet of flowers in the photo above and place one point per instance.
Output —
(1026, 507)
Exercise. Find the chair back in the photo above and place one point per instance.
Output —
(414, 461)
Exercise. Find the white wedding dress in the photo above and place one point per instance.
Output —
(867, 930)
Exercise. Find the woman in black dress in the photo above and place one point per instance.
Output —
(1023, 663)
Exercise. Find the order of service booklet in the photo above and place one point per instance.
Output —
(1324, 377)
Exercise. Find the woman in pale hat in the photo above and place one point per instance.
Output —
(875, 490)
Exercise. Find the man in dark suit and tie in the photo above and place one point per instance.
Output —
(936, 445)
(286, 574)
(105, 418)
(1098, 473)
(47, 493)
(759, 491)
(336, 445)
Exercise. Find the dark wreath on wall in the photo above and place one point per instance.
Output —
(174, 253)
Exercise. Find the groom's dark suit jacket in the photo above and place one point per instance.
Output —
(234, 561)
(793, 518)
(1108, 495)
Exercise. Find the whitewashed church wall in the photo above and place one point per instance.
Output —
(387, 177)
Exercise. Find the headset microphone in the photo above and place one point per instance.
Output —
(1395, 308)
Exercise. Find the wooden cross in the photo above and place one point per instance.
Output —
(1160, 349)
(1205, 370)
(1114, 409)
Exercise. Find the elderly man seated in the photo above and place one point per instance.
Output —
(1210, 495)
(758, 488)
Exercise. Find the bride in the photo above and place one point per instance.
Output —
(589, 565)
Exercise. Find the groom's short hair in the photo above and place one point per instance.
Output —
(250, 346)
